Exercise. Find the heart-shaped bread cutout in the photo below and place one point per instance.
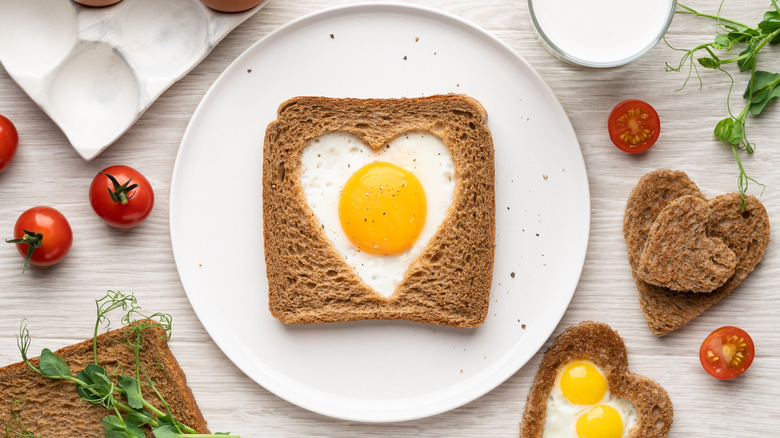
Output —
(680, 255)
(744, 232)
(598, 343)
(328, 162)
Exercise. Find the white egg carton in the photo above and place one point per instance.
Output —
(94, 71)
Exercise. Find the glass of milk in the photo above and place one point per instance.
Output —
(600, 33)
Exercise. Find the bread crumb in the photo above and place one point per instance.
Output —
(416, 39)
(544, 175)
(404, 57)
(461, 371)
(522, 326)
(512, 274)
(332, 36)
(249, 70)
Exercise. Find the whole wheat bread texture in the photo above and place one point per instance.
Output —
(448, 283)
(660, 236)
(52, 408)
(597, 342)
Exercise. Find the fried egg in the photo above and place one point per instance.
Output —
(580, 405)
(378, 208)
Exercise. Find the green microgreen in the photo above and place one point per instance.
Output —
(128, 412)
(762, 87)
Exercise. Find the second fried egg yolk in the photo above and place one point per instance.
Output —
(582, 383)
(600, 421)
(382, 208)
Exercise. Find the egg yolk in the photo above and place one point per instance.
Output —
(600, 422)
(382, 208)
(582, 383)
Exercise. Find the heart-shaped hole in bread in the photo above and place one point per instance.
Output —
(643, 406)
(680, 254)
(328, 163)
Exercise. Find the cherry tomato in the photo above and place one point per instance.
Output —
(633, 126)
(9, 140)
(727, 352)
(43, 236)
(121, 196)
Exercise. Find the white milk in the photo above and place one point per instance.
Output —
(601, 33)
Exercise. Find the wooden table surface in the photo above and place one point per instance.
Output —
(58, 301)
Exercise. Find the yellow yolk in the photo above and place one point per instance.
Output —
(382, 208)
(600, 422)
(582, 383)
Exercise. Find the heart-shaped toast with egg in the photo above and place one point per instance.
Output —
(687, 252)
(310, 279)
(584, 388)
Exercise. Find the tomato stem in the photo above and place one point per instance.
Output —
(121, 192)
(33, 240)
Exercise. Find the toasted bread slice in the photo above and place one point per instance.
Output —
(679, 253)
(448, 283)
(745, 233)
(53, 408)
(598, 343)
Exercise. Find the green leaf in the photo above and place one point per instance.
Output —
(132, 390)
(166, 431)
(749, 61)
(770, 23)
(53, 366)
(137, 419)
(765, 90)
(98, 389)
(115, 427)
(722, 42)
(729, 131)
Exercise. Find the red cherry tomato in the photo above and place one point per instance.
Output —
(121, 196)
(633, 126)
(727, 352)
(43, 236)
(9, 140)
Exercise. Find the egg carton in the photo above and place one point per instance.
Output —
(94, 71)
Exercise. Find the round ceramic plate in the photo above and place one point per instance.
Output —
(379, 370)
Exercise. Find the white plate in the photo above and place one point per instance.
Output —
(94, 71)
(379, 370)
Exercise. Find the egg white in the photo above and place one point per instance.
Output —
(329, 160)
(562, 415)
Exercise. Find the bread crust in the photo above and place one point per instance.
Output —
(53, 407)
(448, 283)
(746, 234)
(597, 342)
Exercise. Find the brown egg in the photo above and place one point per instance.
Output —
(231, 5)
(97, 2)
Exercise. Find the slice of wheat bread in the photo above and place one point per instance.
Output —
(53, 408)
(449, 283)
(745, 233)
(680, 254)
(597, 342)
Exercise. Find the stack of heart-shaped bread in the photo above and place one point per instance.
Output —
(687, 252)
